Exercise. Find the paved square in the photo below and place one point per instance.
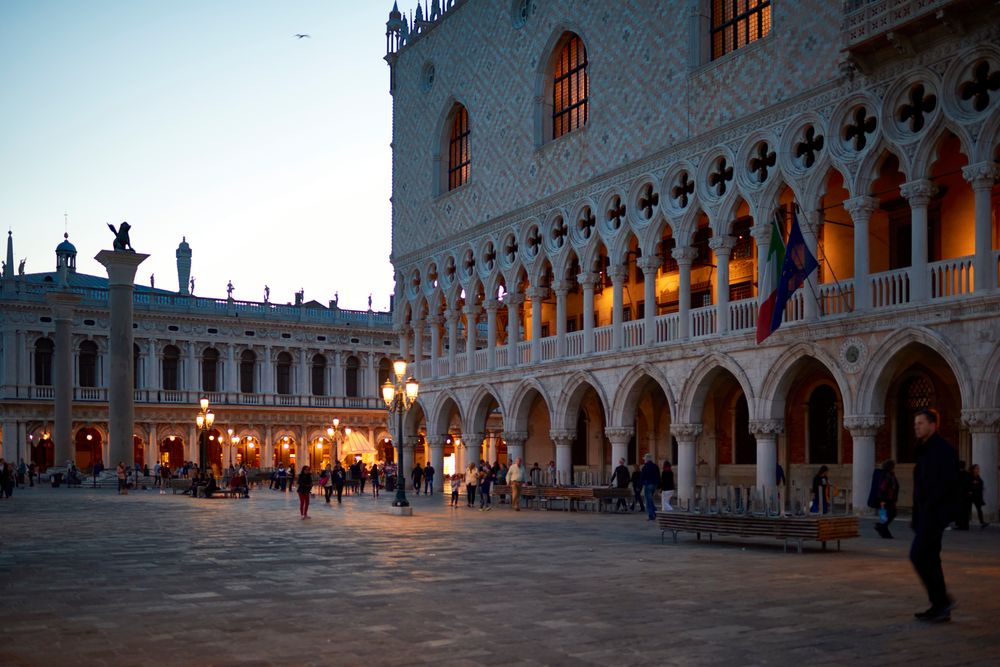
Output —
(92, 578)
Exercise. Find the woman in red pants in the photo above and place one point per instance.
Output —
(305, 488)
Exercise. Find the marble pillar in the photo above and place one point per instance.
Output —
(62, 374)
(863, 429)
(687, 458)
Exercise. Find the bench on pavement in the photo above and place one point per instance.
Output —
(797, 529)
(571, 496)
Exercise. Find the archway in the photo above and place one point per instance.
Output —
(646, 407)
(590, 452)
(43, 452)
(285, 451)
(89, 448)
(172, 451)
(727, 452)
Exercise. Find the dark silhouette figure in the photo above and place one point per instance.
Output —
(122, 242)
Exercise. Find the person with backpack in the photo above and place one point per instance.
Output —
(888, 496)
(621, 479)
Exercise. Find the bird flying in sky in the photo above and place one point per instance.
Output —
(301, 35)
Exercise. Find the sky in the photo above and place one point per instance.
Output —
(204, 119)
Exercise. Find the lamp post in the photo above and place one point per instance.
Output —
(337, 436)
(399, 396)
(232, 445)
(205, 420)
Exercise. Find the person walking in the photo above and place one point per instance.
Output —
(32, 473)
(304, 489)
(122, 483)
(326, 481)
(888, 496)
(456, 481)
(6, 479)
(977, 493)
(471, 484)
(667, 488)
(649, 477)
(636, 479)
(376, 480)
(621, 479)
(417, 475)
(820, 491)
(339, 478)
(515, 477)
(362, 477)
(935, 484)
(429, 479)
(486, 479)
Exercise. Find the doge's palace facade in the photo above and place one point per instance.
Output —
(583, 194)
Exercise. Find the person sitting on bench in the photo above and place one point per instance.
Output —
(210, 486)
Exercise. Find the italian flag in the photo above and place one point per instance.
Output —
(769, 285)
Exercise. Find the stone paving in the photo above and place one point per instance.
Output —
(92, 578)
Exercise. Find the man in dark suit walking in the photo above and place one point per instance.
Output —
(935, 479)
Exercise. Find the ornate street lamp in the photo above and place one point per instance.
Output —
(399, 396)
(204, 420)
(337, 436)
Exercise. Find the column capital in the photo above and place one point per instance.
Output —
(767, 427)
(536, 293)
(588, 280)
(472, 439)
(617, 273)
(684, 255)
(721, 245)
(918, 192)
(861, 208)
(513, 300)
(983, 420)
(562, 287)
(472, 309)
(435, 320)
(515, 438)
(491, 305)
(862, 426)
(981, 175)
(619, 435)
(562, 437)
(451, 315)
(685, 432)
(761, 232)
(435, 440)
(649, 264)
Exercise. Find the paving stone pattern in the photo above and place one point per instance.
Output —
(92, 578)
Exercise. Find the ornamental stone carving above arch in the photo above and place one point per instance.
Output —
(911, 106)
(678, 188)
(857, 126)
(971, 85)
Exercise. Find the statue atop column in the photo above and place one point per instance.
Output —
(122, 242)
(229, 290)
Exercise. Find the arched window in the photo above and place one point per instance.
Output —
(171, 368)
(44, 348)
(744, 442)
(248, 366)
(459, 162)
(384, 373)
(570, 86)
(136, 369)
(210, 370)
(824, 425)
(319, 375)
(736, 23)
(88, 364)
(915, 393)
(351, 367)
(283, 372)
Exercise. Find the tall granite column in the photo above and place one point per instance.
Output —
(121, 267)
(62, 374)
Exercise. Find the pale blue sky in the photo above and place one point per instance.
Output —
(205, 119)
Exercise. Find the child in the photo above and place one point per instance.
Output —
(456, 481)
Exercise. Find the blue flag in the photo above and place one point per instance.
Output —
(798, 264)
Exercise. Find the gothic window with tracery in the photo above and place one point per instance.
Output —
(571, 87)
(459, 162)
(736, 23)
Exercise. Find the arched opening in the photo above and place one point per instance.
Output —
(171, 368)
(210, 370)
(459, 158)
(318, 375)
(248, 371)
(384, 373)
(352, 388)
(172, 451)
(87, 370)
(283, 373)
(248, 452)
(138, 450)
(591, 451)
(727, 451)
(285, 451)
(44, 350)
(214, 453)
(570, 85)
(43, 452)
(650, 415)
(89, 445)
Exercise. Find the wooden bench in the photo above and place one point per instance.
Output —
(609, 494)
(798, 529)
(570, 495)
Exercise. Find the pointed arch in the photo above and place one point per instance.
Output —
(569, 398)
(700, 381)
(626, 398)
(782, 373)
(521, 402)
(479, 409)
(445, 405)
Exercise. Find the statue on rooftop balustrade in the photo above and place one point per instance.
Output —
(122, 242)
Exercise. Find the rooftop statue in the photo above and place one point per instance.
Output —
(122, 243)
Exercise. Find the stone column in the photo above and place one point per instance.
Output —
(491, 305)
(761, 233)
(152, 448)
(617, 273)
(684, 257)
(984, 425)
(451, 316)
(537, 295)
(232, 370)
(436, 446)
(649, 266)
(563, 440)
(619, 437)
(472, 312)
(809, 227)
(491, 446)
(473, 443)
(418, 347)
(860, 210)
(404, 343)
(981, 177)
(62, 375)
(10, 439)
(722, 246)
(193, 386)
(687, 458)
(513, 302)
(561, 288)
(121, 267)
(863, 429)
(918, 193)
(304, 375)
(267, 375)
(515, 445)
(588, 281)
(434, 321)
(766, 432)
